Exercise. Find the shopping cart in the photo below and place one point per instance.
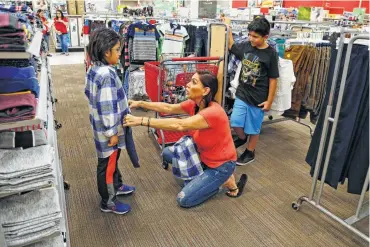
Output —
(166, 81)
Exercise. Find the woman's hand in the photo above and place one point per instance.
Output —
(133, 104)
(130, 121)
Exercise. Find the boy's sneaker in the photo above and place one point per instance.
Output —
(118, 208)
(125, 190)
(240, 142)
(246, 158)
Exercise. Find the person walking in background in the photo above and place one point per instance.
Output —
(61, 29)
(45, 30)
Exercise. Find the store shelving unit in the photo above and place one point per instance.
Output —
(45, 117)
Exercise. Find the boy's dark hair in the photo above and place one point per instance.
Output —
(101, 41)
(38, 12)
(260, 25)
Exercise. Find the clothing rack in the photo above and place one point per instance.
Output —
(277, 32)
(362, 208)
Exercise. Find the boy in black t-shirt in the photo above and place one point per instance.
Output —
(257, 85)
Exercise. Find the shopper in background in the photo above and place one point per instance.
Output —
(257, 86)
(61, 29)
(108, 105)
(209, 127)
(45, 30)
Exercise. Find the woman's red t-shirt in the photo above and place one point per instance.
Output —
(215, 144)
(60, 26)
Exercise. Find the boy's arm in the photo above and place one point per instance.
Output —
(272, 90)
(107, 107)
(273, 74)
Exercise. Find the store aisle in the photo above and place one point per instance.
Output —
(261, 217)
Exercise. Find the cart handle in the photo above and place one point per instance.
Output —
(194, 59)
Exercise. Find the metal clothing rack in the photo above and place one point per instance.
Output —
(362, 208)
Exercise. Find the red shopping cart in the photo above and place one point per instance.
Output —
(166, 81)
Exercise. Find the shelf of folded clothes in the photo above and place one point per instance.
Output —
(16, 41)
(22, 228)
(13, 41)
(27, 169)
(23, 101)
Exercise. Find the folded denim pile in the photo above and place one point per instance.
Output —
(22, 227)
(26, 170)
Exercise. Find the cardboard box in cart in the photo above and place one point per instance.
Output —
(72, 7)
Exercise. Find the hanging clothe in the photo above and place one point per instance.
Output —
(144, 42)
(350, 153)
(174, 38)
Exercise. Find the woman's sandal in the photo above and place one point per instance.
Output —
(241, 184)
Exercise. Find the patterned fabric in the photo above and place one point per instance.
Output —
(108, 105)
(136, 84)
(26, 139)
(144, 45)
(26, 128)
(186, 163)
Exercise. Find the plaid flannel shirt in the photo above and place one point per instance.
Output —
(108, 105)
(234, 61)
(186, 163)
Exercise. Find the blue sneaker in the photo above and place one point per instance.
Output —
(118, 208)
(125, 190)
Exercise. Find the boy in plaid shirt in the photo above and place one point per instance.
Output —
(108, 105)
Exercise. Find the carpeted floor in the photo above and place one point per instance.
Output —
(261, 217)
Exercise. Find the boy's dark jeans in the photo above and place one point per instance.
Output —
(109, 178)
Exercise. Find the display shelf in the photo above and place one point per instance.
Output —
(52, 140)
(41, 108)
(33, 49)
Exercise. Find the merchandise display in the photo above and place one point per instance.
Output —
(233, 115)
(32, 203)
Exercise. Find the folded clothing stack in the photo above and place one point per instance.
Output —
(13, 80)
(31, 217)
(17, 106)
(26, 170)
(25, 139)
(10, 24)
(56, 241)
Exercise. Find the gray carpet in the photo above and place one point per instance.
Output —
(261, 217)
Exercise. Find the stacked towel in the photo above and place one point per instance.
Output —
(26, 170)
(56, 241)
(22, 227)
(17, 107)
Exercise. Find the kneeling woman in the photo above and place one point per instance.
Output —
(211, 133)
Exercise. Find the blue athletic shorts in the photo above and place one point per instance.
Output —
(248, 117)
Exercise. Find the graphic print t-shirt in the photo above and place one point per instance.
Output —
(258, 65)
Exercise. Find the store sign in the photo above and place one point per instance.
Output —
(207, 9)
